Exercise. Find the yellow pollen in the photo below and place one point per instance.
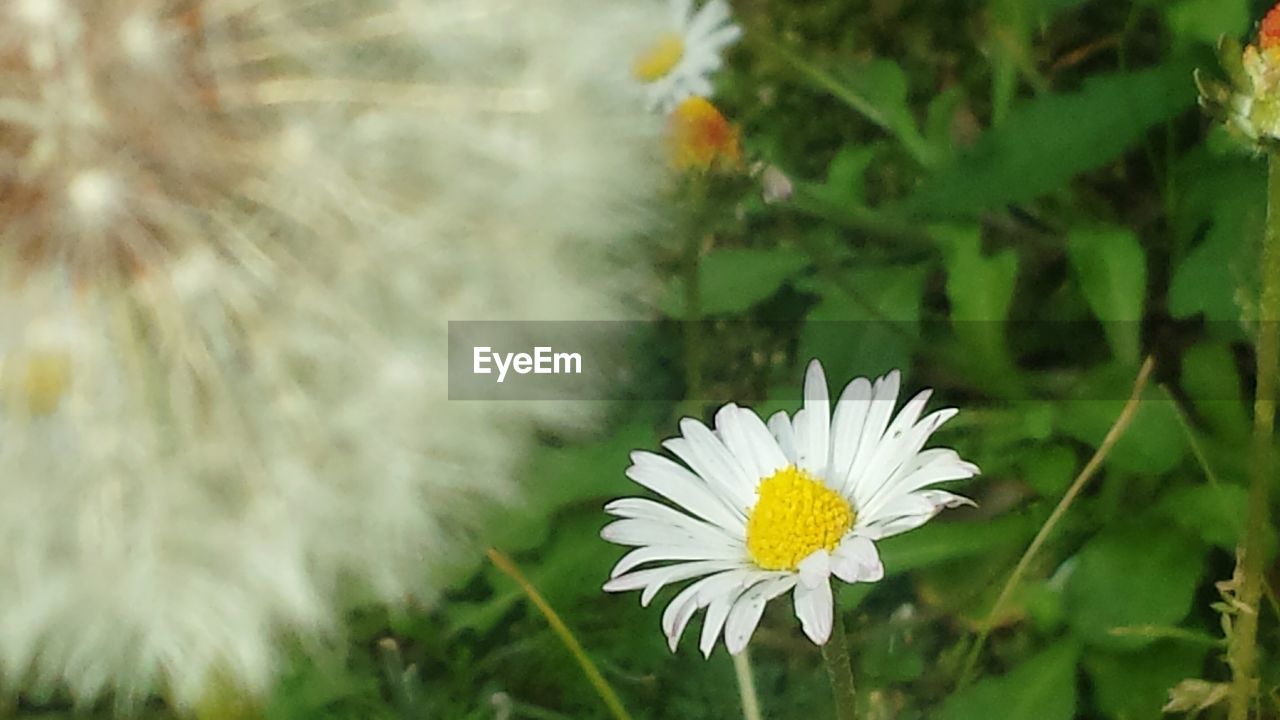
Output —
(795, 515)
(659, 59)
(36, 381)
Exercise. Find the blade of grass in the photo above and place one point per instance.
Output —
(1090, 469)
(602, 687)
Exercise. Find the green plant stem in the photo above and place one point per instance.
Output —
(1242, 654)
(836, 656)
(912, 142)
(1113, 435)
(693, 368)
(905, 234)
(693, 321)
(602, 687)
(1211, 475)
(746, 686)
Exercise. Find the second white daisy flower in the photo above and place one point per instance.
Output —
(679, 63)
(778, 508)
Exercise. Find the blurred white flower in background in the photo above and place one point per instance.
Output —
(679, 60)
(231, 236)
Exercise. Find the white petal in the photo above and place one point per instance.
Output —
(814, 608)
(746, 436)
(654, 579)
(813, 423)
(815, 569)
(846, 429)
(681, 13)
(678, 614)
(659, 553)
(711, 16)
(884, 395)
(909, 512)
(898, 449)
(746, 612)
(721, 38)
(857, 560)
(674, 482)
(718, 613)
(686, 604)
(642, 518)
(931, 466)
(708, 457)
(701, 86)
(781, 429)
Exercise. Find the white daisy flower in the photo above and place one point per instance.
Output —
(773, 509)
(680, 63)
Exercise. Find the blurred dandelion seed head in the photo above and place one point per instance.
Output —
(231, 236)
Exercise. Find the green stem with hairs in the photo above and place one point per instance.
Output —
(836, 656)
(746, 686)
(1242, 653)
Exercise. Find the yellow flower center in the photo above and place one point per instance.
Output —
(36, 381)
(795, 516)
(659, 59)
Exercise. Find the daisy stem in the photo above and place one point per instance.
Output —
(602, 687)
(835, 653)
(746, 686)
(1242, 652)
(1090, 469)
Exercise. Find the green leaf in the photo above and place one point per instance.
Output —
(558, 477)
(572, 565)
(1204, 21)
(733, 279)
(938, 118)
(1042, 688)
(1221, 210)
(1132, 575)
(866, 320)
(888, 653)
(1050, 469)
(980, 289)
(1135, 685)
(846, 175)
(1211, 380)
(882, 84)
(1111, 269)
(939, 542)
(1214, 513)
(1152, 445)
(1051, 139)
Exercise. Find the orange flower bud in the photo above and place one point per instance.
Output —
(1269, 29)
(701, 138)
